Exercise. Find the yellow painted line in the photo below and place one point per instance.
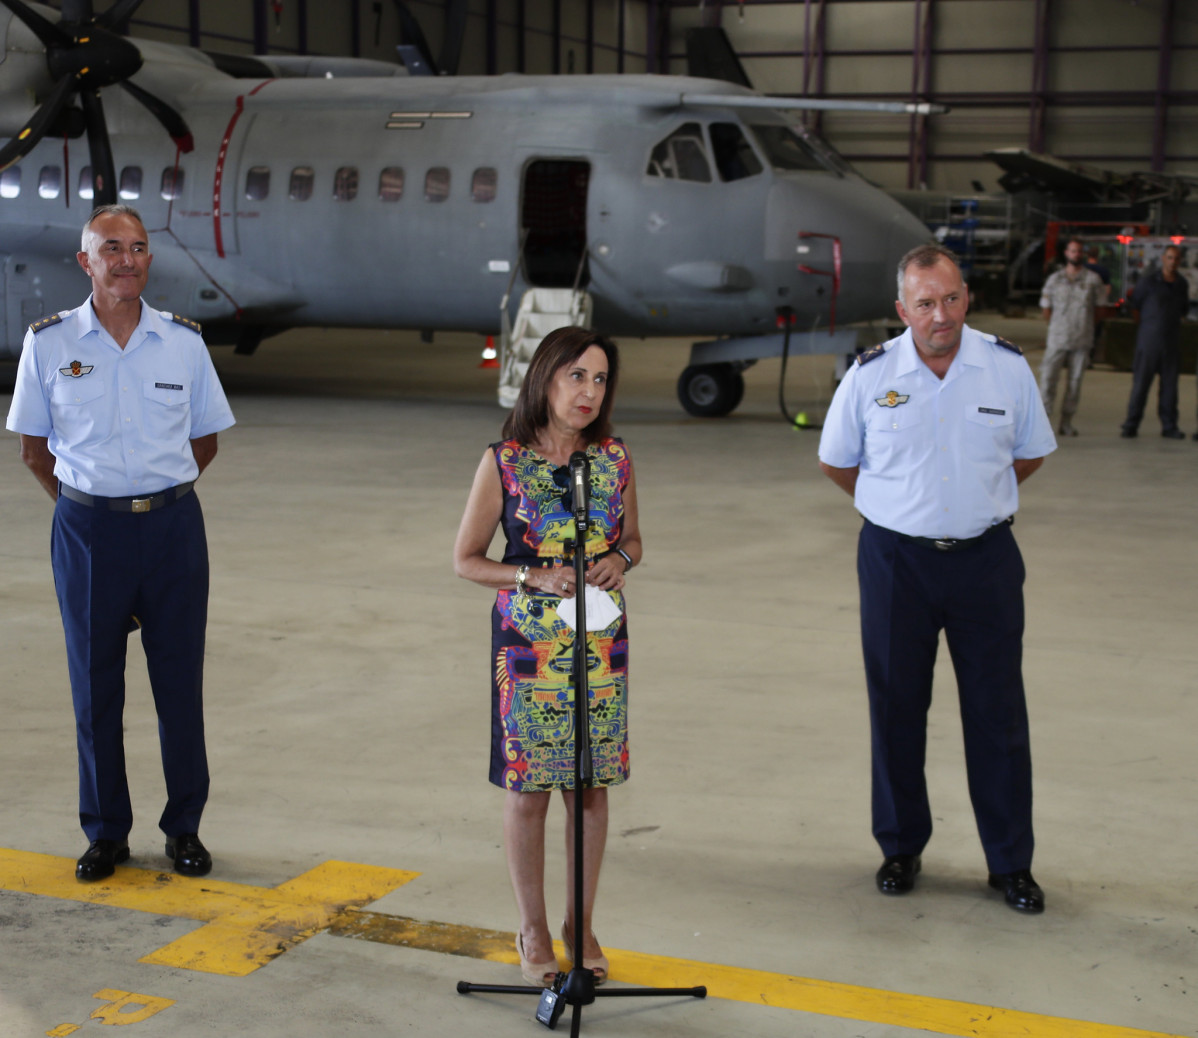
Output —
(758, 987)
(244, 926)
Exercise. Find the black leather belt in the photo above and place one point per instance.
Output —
(952, 543)
(127, 504)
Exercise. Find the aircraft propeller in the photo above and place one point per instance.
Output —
(84, 54)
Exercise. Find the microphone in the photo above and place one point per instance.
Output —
(580, 480)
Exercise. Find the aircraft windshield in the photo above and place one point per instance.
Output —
(681, 156)
(734, 155)
(797, 148)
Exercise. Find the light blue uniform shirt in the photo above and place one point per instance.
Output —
(118, 422)
(935, 455)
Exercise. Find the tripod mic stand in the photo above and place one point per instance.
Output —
(577, 987)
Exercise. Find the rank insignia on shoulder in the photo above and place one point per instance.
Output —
(892, 399)
(870, 354)
(187, 322)
(45, 322)
(76, 369)
(999, 341)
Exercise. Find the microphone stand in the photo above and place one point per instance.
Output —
(577, 988)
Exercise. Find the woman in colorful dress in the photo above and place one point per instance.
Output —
(523, 482)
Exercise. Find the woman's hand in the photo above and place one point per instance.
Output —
(553, 580)
(608, 572)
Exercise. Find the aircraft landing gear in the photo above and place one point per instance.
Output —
(710, 390)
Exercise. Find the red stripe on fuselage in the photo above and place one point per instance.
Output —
(218, 178)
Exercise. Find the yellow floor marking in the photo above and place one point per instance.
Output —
(827, 998)
(245, 926)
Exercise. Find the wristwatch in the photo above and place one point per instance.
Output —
(626, 557)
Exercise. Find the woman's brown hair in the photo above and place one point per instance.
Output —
(559, 348)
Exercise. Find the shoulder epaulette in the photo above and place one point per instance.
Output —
(187, 322)
(999, 341)
(45, 322)
(870, 354)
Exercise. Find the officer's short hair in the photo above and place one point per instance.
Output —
(108, 210)
(923, 256)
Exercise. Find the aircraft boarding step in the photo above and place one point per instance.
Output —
(541, 311)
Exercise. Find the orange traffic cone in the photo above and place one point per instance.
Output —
(490, 358)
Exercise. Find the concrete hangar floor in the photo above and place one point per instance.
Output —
(347, 714)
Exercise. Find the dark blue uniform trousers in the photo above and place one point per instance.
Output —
(1156, 354)
(108, 567)
(909, 593)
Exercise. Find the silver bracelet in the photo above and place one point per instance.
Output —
(521, 577)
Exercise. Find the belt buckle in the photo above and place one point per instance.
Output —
(140, 504)
(945, 543)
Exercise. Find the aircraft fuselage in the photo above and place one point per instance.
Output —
(403, 202)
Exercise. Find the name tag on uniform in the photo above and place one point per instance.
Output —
(166, 385)
(991, 410)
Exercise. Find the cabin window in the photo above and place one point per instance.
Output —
(681, 156)
(484, 185)
(785, 149)
(130, 184)
(10, 182)
(257, 183)
(436, 184)
(345, 184)
(49, 182)
(86, 189)
(302, 179)
(172, 183)
(734, 155)
(391, 184)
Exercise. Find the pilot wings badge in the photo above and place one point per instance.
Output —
(892, 399)
(76, 369)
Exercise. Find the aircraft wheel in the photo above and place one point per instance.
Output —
(710, 390)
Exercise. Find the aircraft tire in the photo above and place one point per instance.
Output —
(710, 390)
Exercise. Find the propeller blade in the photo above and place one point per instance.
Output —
(118, 14)
(171, 120)
(413, 34)
(100, 148)
(453, 37)
(34, 130)
(49, 33)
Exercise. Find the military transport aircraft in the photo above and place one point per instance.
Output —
(291, 191)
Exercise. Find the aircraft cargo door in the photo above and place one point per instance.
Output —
(554, 217)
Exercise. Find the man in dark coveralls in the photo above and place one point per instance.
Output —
(931, 433)
(118, 406)
(1161, 298)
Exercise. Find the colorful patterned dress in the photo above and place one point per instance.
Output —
(532, 692)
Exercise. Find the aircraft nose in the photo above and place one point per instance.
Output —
(873, 231)
(906, 233)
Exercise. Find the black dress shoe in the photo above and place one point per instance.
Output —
(191, 857)
(1173, 434)
(897, 874)
(100, 860)
(1128, 434)
(1022, 892)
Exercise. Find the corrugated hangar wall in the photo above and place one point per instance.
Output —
(1112, 83)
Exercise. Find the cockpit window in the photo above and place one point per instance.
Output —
(796, 147)
(734, 155)
(681, 156)
(785, 149)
